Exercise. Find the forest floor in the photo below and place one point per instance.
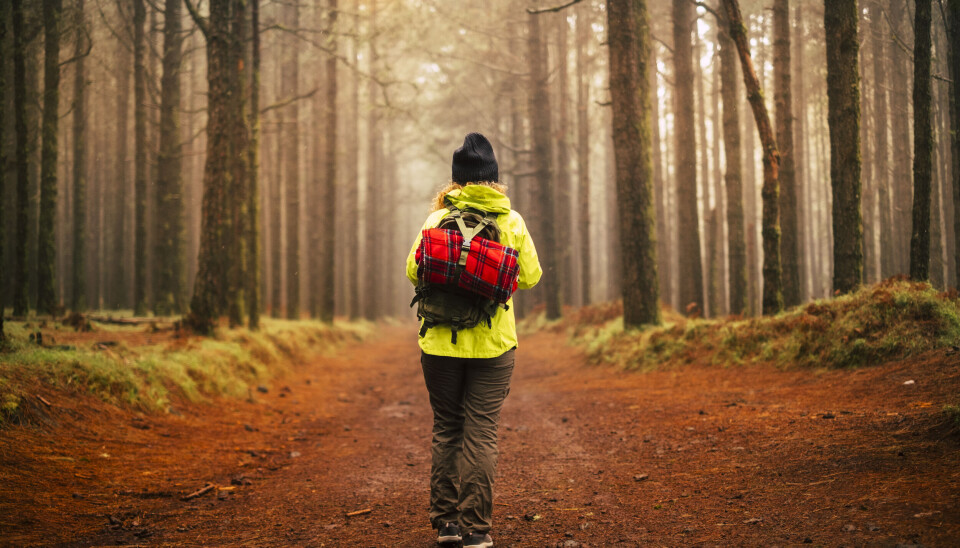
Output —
(590, 456)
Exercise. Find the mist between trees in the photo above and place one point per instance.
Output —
(235, 157)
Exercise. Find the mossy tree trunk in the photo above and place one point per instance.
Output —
(922, 143)
(629, 39)
(789, 223)
(170, 272)
(733, 178)
(238, 164)
(78, 300)
(690, 271)
(46, 247)
(772, 290)
(843, 93)
(540, 123)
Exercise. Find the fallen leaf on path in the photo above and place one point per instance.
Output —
(752, 521)
(640, 477)
(926, 514)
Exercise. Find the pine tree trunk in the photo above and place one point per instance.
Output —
(703, 179)
(690, 273)
(329, 228)
(4, 283)
(733, 178)
(881, 120)
(800, 160)
(46, 247)
(900, 130)
(353, 177)
(954, 58)
(922, 144)
(843, 91)
(169, 230)
(772, 292)
(79, 297)
(539, 111)
(253, 155)
(239, 165)
(276, 217)
(583, 154)
(120, 294)
(373, 250)
(718, 282)
(629, 39)
(291, 79)
(140, 160)
(789, 223)
(659, 185)
(562, 155)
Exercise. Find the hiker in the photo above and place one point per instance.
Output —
(467, 364)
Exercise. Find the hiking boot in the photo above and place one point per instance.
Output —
(477, 540)
(449, 534)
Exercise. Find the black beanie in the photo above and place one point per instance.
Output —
(474, 162)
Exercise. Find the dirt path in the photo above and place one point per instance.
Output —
(589, 457)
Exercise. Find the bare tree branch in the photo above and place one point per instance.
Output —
(289, 100)
(537, 11)
(197, 18)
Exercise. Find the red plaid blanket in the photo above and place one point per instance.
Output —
(492, 269)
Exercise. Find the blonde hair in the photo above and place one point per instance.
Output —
(451, 186)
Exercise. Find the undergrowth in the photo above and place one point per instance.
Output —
(132, 371)
(889, 320)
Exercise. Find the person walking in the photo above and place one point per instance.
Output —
(467, 371)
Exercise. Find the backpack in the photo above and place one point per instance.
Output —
(464, 274)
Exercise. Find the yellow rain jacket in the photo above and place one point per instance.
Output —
(482, 341)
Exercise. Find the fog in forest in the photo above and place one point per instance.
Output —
(331, 126)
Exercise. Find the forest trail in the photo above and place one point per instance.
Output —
(590, 456)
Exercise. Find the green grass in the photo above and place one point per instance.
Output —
(886, 321)
(151, 376)
(952, 413)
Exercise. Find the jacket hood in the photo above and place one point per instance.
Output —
(479, 197)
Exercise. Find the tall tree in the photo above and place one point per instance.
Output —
(291, 82)
(140, 160)
(733, 178)
(772, 291)
(691, 268)
(170, 272)
(330, 175)
(562, 157)
(789, 222)
(954, 57)
(840, 21)
(880, 61)
(629, 39)
(539, 111)
(253, 153)
(900, 128)
(583, 152)
(922, 144)
(373, 247)
(4, 14)
(21, 281)
(46, 249)
(352, 170)
(79, 297)
(121, 182)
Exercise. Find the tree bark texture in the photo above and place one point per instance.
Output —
(239, 165)
(169, 274)
(4, 283)
(659, 184)
(772, 292)
(900, 130)
(46, 247)
(353, 175)
(542, 162)
(120, 294)
(690, 273)
(843, 92)
(23, 154)
(922, 144)
(789, 222)
(78, 301)
(564, 204)
(373, 247)
(629, 39)
(733, 177)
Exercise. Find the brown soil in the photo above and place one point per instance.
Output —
(691, 456)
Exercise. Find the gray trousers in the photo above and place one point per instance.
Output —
(466, 395)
